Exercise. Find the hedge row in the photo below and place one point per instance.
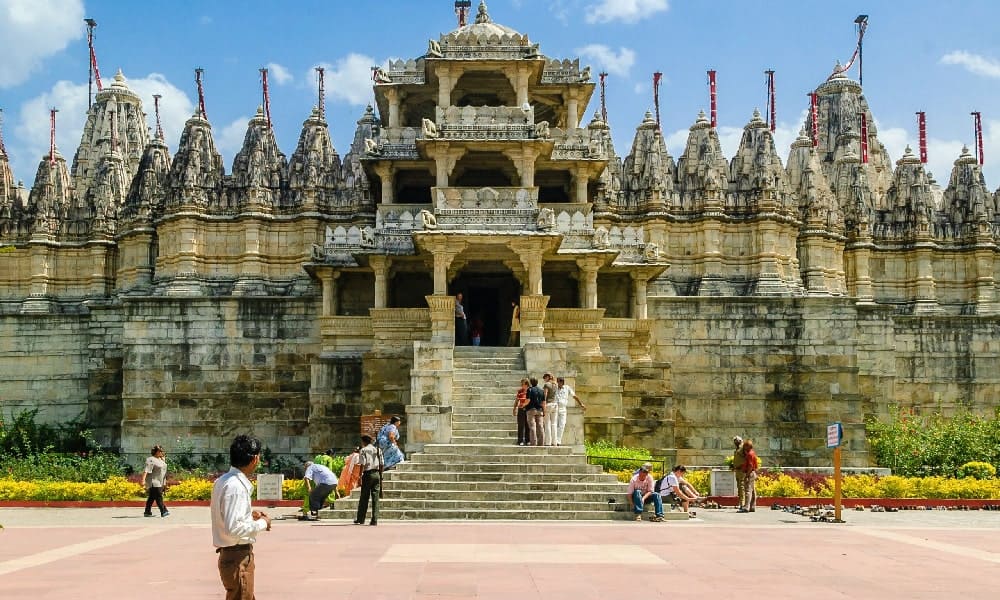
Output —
(119, 488)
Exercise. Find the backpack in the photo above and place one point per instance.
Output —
(659, 484)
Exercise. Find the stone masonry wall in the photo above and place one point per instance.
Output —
(206, 369)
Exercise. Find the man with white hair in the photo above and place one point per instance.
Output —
(739, 459)
(320, 483)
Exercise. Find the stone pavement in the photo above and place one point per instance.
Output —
(115, 553)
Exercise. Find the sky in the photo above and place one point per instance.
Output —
(922, 55)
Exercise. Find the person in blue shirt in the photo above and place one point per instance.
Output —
(320, 483)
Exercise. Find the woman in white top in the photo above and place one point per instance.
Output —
(154, 476)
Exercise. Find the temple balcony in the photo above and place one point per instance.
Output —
(500, 123)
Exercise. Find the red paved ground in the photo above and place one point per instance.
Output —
(767, 554)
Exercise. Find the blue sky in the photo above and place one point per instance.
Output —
(939, 57)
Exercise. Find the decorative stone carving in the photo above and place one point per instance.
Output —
(372, 147)
(428, 220)
(600, 240)
(428, 128)
(318, 252)
(651, 252)
(546, 219)
(542, 130)
(380, 76)
(367, 237)
(434, 49)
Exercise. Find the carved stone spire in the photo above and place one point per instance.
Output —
(910, 200)
(818, 207)
(315, 169)
(259, 169)
(11, 201)
(103, 199)
(482, 16)
(355, 179)
(840, 101)
(115, 115)
(196, 174)
(966, 199)
(609, 185)
(51, 197)
(702, 171)
(648, 171)
(757, 177)
(144, 202)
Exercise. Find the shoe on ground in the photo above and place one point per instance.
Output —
(638, 517)
(656, 519)
(147, 514)
(742, 510)
(165, 513)
(373, 523)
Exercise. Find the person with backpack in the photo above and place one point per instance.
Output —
(671, 488)
(750, 475)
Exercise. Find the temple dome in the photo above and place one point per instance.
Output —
(484, 26)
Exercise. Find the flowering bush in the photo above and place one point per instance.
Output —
(977, 470)
(912, 444)
(190, 489)
(115, 488)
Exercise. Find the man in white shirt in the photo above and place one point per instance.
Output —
(154, 476)
(563, 394)
(320, 482)
(672, 489)
(370, 463)
(234, 522)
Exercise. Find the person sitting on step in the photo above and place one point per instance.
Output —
(677, 491)
(640, 491)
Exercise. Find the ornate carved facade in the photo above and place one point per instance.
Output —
(302, 292)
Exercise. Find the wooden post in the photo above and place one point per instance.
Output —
(836, 484)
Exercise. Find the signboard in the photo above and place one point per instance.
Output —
(372, 424)
(269, 486)
(722, 483)
(834, 434)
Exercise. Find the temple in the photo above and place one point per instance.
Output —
(687, 299)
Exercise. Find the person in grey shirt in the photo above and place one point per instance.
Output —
(370, 463)
(154, 476)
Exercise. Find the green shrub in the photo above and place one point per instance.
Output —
(616, 458)
(977, 470)
(916, 445)
(21, 436)
(93, 467)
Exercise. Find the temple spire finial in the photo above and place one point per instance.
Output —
(462, 11)
(483, 16)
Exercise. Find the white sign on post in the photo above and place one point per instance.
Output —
(269, 486)
(834, 433)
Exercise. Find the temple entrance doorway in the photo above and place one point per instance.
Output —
(487, 297)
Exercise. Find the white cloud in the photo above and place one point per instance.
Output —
(350, 79)
(31, 131)
(626, 11)
(229, 139)
(280, 74)
(640, 89)
(606, 59)
(175, 106)
(973, 63)
(33, 30)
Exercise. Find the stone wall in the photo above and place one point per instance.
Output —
(205, 369)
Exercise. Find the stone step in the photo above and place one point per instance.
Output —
(431, 477)
(525, 469)
(485, 413)
(389, 512)
(469, 425)
(490, 450)
(473, 362)
(495, 440)
(514, 458)
(501, 495)
(555, 487)
(548, 505)
(480, 351)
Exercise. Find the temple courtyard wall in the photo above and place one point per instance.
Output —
(147, 370)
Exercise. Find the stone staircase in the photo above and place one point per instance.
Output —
(483, 473)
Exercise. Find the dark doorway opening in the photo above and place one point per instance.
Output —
(487, 298)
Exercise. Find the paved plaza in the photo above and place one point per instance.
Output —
(115, 553)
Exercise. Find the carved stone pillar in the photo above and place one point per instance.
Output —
(532, 260)
(588, 270)
(572, 111)
(926, 294)
(446, 84)
(638, 295)
(445, 159)
(443, 252)
(580, 177)
(524, 162)
(442, 311)
(986, 303)
(380, 265)
(393, 96)
(533, 318)
(861, 251)
(37, 301)
(385, 173)
(328, 279)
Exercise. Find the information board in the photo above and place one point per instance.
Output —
(269, 486)
(834, 434)
(372, 424)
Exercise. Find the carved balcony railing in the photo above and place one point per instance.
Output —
(578, 144)
(564, 71)
(500, 208)
(484, 123)
(575, 222)
(406, 72)
(399, 143)
(471, 45)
